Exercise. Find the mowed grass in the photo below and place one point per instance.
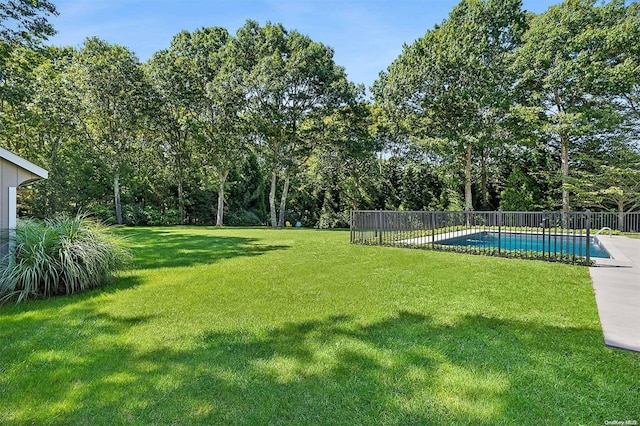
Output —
(260, 326)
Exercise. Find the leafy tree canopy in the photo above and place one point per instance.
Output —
(24, 21)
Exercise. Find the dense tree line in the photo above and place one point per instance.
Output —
(495, 108)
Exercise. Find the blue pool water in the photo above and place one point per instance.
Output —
(532, 242)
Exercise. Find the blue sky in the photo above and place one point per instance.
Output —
(367, 35)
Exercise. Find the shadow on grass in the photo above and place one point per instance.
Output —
(159, 248)
(404, 369)
(122, 281)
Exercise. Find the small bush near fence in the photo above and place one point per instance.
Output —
(59, 256)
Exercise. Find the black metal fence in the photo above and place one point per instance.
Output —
(553, 236)
(623, 222)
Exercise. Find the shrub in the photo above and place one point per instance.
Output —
(518, 194)
(243, 218)
(103, 213)
(330, 219)
(63, 255)
(140, 215)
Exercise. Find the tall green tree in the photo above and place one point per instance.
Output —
(449, 88)
(114, 94)
(614, 58)
(171, 120)
(205, 86)
(16, 91)
(55, 110)
(342, 172)
(293, 82)
(564, 67)
(608, 176)
(25, 21)
(42, 121)
(23, 24)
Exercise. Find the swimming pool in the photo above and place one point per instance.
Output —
(521, 241)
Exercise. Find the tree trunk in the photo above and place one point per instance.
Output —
(52, 195)
(468, 195)
(283, 201)
(485, 185)
(222, 176)
(621, 216)
(180, 174)
(272, 197)
(181, 201)
(116, 198)
(564, 140)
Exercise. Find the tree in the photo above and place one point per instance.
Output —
(342, 173)
(171, 120)
(293, 83)
(199, 77)
(114, 94)
(614, 58)
(618, 186)
(55, 110)
(226, 98)
(518, 194)
(564, 63)
(42, 121)
(25, 21)
(609, 179)
(450, 88)
(16, 90)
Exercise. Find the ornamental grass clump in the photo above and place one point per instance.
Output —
(63, 255)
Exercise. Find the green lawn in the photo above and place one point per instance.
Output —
(259, 326)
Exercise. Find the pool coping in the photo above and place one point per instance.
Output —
(618, 258)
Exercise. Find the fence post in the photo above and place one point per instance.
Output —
(544, 224)
(499, 219)
(395, 227)
(351, 226)
(433, 230)
(380, 227)
(588, 247)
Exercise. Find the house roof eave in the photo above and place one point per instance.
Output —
(21, 162)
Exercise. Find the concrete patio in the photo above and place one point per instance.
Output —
(616, 283)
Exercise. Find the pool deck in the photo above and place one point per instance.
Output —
(616, 284)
